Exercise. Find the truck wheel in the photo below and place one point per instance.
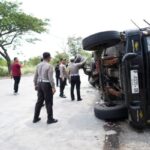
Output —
(111, 112)
(101, 40)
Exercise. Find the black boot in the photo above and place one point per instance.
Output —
(49, 121)
(80, 99)
(35, 120)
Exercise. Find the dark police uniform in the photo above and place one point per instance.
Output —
(63, 78)
(43, 79)
(73, 70)
(57, 73)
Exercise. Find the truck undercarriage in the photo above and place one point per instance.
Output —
(121, 71)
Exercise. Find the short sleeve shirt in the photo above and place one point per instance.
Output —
(16, 69)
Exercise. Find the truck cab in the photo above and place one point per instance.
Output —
(124, 74)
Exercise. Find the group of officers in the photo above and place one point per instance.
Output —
(45, 86)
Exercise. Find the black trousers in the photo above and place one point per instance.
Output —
(16, 83)
(57, 80)
(75, 81)
(62, 86)
(44, 94)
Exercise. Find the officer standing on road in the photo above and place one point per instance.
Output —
(57, 73)
(63, 77)
(73, 71)
(36, 87)
(43, 79)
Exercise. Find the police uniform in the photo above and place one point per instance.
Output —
(57, 73)
(73, 70)
(43, 79)
(63, 78)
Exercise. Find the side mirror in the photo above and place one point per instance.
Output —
(129, 56)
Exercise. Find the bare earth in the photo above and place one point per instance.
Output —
(77, 128)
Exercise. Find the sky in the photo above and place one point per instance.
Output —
(79, 18)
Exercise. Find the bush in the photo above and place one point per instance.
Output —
(33, 61)
(28, 69)
(3, 62)
(3, 71)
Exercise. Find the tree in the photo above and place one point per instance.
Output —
(75, 47)
(14, 25)
(59, 56)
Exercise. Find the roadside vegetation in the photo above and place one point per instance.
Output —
(16, 25)
(29, 66)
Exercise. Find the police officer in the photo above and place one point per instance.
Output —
(63, 77)
(57, 73)
(73, 71)
(43, 79)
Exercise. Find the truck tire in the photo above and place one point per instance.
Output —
(111, 112)
(78, 58)
(101, 40)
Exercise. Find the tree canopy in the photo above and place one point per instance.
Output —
(75, 47)
(14, 24)
(59, 56)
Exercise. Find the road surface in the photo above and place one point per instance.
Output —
(77, 127)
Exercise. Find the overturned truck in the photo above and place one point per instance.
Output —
(122, 62)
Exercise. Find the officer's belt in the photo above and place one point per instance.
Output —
(44, 81)
(73, 75)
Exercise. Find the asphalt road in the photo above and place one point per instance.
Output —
(77, 127)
